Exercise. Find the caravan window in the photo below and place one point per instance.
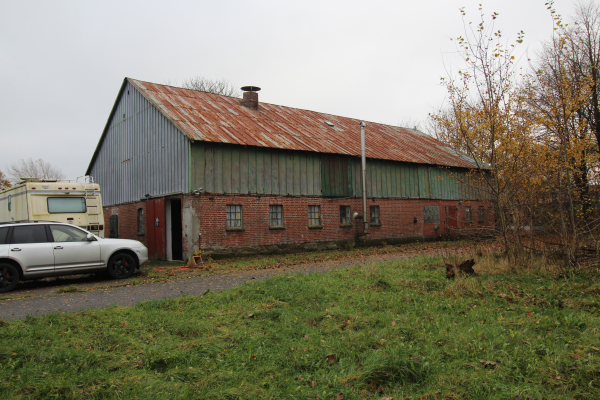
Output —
(63, 205)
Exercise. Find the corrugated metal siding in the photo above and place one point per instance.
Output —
(239, 169)
(243, 169)
(142, 152)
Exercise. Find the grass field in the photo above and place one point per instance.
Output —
(397, 330)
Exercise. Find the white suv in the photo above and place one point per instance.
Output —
(31, 250)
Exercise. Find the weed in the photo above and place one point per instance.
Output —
(68, 289)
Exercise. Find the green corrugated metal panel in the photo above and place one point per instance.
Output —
(236, 169)
(270, 173)
(337, 175)
(252, 170)
(218, 168)
(283, 172)
(425, 184)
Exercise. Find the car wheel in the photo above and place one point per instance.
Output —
(121, 266)
(9, 276)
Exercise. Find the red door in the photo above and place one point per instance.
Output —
(452, 217)
(156, 223)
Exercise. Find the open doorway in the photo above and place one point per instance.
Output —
(174, 230)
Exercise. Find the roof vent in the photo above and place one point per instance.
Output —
(329, 123)
(250, 98)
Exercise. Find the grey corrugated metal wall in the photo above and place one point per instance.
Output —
(142, 153)
(220, 168)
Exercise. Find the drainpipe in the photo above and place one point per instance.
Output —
(364, 177)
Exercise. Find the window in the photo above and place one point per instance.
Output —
(29, 234)
(276, 216)
(345, 216)
(234, 216)
(375, 220)
(431, 214)
(3, 235)
(314, 216)
(113, 230)
(468, 217)
(481, 215)
(61, 205)
(140, 221)
(62, 233)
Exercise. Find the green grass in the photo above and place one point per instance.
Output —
(397, 330)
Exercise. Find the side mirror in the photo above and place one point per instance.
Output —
(90, 237)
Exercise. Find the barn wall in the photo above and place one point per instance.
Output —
(223, 169)
(141, 153)
(399, 219)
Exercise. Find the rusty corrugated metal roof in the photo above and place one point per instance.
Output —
(213, 118)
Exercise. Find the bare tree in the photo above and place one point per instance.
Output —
(31, 168)
(585, 59)
(4, 182)
(411, 123)
(219, 86)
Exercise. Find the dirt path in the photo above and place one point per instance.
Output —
(44, 299)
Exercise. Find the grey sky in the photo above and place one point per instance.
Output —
(62, 62)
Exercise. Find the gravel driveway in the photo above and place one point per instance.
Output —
(45, 301)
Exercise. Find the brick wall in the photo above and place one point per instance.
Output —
(397, 217)
(128, 224)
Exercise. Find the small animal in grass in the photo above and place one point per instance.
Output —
(466, 267)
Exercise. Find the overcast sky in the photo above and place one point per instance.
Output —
(62, 62)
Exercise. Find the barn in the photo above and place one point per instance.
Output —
(183, 170)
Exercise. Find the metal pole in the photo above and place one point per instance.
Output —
(364, 177)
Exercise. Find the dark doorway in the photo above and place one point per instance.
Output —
(176, 230)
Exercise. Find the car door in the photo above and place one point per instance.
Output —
(72, 250)
(30, 247)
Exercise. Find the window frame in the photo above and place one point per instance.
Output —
(347, 215)
(481, 215)
(19, 227)
(468, 215)
(66, 212)
(279, 208)
(312, 210)
(141, 222)
(228, 212)
(437, 217)
(378, 217)
(6, 239)
(67, 230)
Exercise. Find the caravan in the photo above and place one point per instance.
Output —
(72, 202)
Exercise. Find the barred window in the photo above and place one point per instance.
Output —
(431, 214)
(481, 215)
(468, 217)
(140, 221)
(234, 216)
(276, 215)
(314, 215)
(345, 215)
(375, 220)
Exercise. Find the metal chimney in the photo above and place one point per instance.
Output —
(250, 98)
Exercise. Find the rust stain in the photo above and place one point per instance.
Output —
(214, 118)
